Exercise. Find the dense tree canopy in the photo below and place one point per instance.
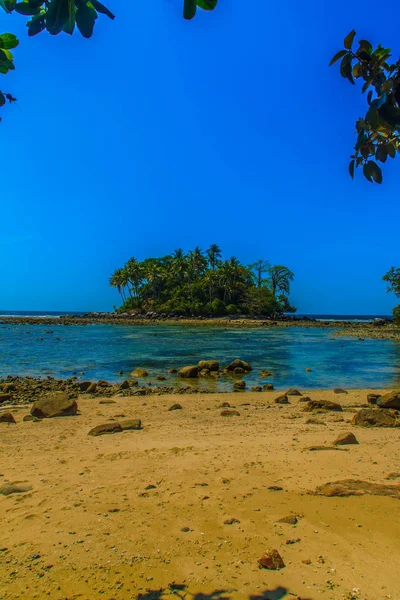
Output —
(201, 283)
(392, 277)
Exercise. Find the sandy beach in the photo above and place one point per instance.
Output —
(187, 506)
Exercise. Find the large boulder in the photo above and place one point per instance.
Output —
(57, 404)
(190, 372)
(84, 385)
(373, 417)
(139, 372)
(391, 400)
(211, 365)
(238, 364)
(322, 405)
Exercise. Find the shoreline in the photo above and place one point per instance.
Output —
(384, 330)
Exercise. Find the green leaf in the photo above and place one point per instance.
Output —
(348, 40)
(85, 19)
(207, 4)
(57, 16)
(369, 96)
(337, 56)
(102, 9)
(23, 8)
(345, 68)
(367, 171)
(381, 153)
(391, 150)
(189, 9)
(36, 25)
(69, 24)
(2, 99)
(375, 171)
(351, 168)
(372, 117)
(365, 46)
(5, 8)
(8, 41)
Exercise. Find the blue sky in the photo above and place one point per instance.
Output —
(159, 133)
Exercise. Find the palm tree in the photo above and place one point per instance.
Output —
(178, 264)
(209, 280)
(198, 261)
(135, 275)
(117, 280)
(280, 279)
(154, 275)
(214, 254)
(260, 267)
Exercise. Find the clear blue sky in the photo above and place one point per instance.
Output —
(159, 133)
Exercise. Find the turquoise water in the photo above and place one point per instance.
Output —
(101, 351)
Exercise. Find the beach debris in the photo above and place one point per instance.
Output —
(289, 520)
(374, 417)
(256, 388)
(230, 413)
(210, 365)
(268, 387)
(4, 398)
(130, 424)
(345, 439)
(373, 398)
(321, 405)
(106, 428)
(293, 392)
(391, 400)
(57, 404)
(7, 417)
(17, 487)
(175, 407)
(139, 373)
(271, 560)
(239, 386)
(282, 400)
(190, 372)
(231, 521)
(355, 487)
(238, 364)
(339, 391)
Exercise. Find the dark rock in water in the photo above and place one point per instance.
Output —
(308, 370)
(293, 392)
(339, 391)
(161, 377)
(322, 405)
(268, 387)
(345, 439)
(238, 372)
(190, 372)
(175, 407)
(103, 384)
(256, 388)
(239, 386)
(373, 398)
(124, 385)
(139, 372)
(4, 398)
(205, 373)
(373, 417)
(14, 488)
(105, 429)
(282, 399)
(271, 560)
(391, 400)
(84, 385)
(239, 364)
(289, 520)
(264, 374)
(355, 487)
(7, 417)
(211, 365)
(57, 404)
(31, 418)
(172, 371)
(131, 424)
(230, 413)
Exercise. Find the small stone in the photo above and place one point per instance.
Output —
(107, 401)
(282, 400)
(225, 405)
(293, 541)
(231, 521)
(308, 370)
(139, 373)
(230, 413)
(256, 388)
(271, 560)
(239, 364)
(4, 398)
(314, 421)
(161, 377)
(339, 391)
(210, 365)
(391, 400)
(373, 398)
(268, 387)
(190, 372)
(56, 404)
(265, 374)
(172, 371)
(131, 424)
(125, 385)
(186, 529)
(322, 405)
(30, 418)
(103, 383)
(239, 386)
(7, 417)
(306, 561)
(293, 392)
(373, 417)
(345, 439)
(275, 488)
(105, 429)
(289, 520)
(175, 407)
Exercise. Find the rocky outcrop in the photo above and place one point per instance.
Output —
(373, 417)
(190, 372)
(238, 364)
(355, 487)
(268, 387)
(57, 404)
(239, 386)
(211, 365)
(391, 400)
(322, 405)
(139, 373)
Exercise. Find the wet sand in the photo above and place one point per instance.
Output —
(142, 513)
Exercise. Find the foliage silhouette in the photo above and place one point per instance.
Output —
(276, 594)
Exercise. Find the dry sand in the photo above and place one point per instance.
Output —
(116, 516)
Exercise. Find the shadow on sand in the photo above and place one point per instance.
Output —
(179, 591)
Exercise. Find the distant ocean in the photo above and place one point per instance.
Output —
(37, 313)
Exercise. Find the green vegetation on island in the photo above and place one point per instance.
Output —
(201, 283)
(392, 277)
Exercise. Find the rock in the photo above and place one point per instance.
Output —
(239, 386)
(139, 372)
(31, 418)
(4, 398)
(190, 372)
(355, 487)
(230, 413)
(282, 400)
(8, 387)
(322, 448)
(293, 392)
(92, 389)
(161, 377)
(345, 439)
(125, 385)
(271, 560)
(231, 521)
(393, 476)
(264, 374)
(308, 370)
(131, 424)
(391, 400)
(103, 383)
(84, 385)
(239, 364)
(172, 371)
(339, 391)
(211, 365)
(175, 407)
(225, 405)
(290, 520)
(268, 387)
(205, 373)
(322, 405)
(373, 398)
(305, 399)
(14, 488)
(7, 417)
(373, 417)
(256, 388)
(57, 404)
(314, 421)
(105, 429)
(107, 401)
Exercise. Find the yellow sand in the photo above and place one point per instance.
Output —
(99, 531)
